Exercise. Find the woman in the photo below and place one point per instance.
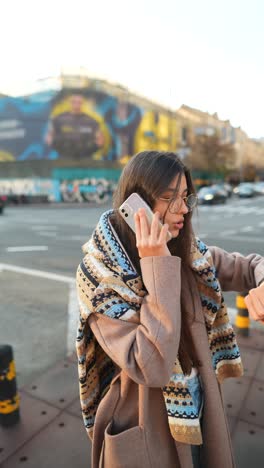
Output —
(154, 338)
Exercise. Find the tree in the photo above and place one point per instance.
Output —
(209, 154)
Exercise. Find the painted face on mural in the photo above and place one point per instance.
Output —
(76, 103)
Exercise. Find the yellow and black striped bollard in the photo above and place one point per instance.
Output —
(242, 317)
(9, 399)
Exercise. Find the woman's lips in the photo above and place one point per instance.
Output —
(178, 225)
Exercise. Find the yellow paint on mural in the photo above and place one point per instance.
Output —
(124, 160)
(162, 135)
(6, 156)
(145, 134)
(162, 128)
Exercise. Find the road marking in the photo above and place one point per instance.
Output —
(237, 209)
(43, 228)
(227, 233)
(39, 273)
(29, 248)
(47, 234)
(240, 238)
(74, 238)
(73, 317)
(247, 229)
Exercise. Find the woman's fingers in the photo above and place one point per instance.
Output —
(150, 241)
(255, 305)
(155, 228)
(144, 227)
(138, 229)
(257, 296)
(250, 307)
(163, 233)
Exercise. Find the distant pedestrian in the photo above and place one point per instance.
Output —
(154, 339)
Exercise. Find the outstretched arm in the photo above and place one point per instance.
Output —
(237, 272)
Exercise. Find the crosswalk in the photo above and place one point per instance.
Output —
(229, 210)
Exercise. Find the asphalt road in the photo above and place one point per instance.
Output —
(40, 248)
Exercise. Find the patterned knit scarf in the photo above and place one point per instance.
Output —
(107, 283)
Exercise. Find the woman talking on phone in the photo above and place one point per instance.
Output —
(154, 339)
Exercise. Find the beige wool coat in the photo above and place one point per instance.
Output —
(131, 425)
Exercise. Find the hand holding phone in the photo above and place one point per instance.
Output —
(151, 234)
(151, 240)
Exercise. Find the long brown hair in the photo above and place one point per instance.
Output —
(149, 173)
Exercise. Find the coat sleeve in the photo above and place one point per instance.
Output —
(236, 272)
(147, 350)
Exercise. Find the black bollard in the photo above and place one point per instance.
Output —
(9, 399)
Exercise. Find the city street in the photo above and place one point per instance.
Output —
(40, 248)
(49, 240)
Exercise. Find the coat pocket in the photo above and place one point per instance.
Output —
(126, 449)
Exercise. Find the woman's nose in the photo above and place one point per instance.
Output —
(184, 208)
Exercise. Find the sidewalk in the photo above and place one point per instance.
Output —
(51, 432)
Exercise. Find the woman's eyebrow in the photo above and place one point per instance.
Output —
(173, 190)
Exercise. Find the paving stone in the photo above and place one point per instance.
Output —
(253, 407)
(248, 445)
(260, 371)
(62, 444)
(254, 341)
(73, 357)
(75, 408)
(234, 392)
(34, 416)
(250, 359)
(231, 423)
(58, 386)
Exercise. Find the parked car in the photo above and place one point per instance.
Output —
(245, 190)
(226, 187)
(2, 203)
(211, 195)
(259, 187)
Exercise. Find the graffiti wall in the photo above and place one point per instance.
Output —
(54, 190)
(80, 126)
(21, 188)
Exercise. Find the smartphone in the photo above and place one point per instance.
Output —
(131, 206)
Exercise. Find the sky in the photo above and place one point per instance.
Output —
(207, 54)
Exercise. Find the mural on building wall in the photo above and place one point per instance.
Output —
(79, 126)
(35, 187)
(93, 190)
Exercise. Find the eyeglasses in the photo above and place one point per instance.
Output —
(176, 202)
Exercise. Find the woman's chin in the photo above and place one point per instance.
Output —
(174, 232)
